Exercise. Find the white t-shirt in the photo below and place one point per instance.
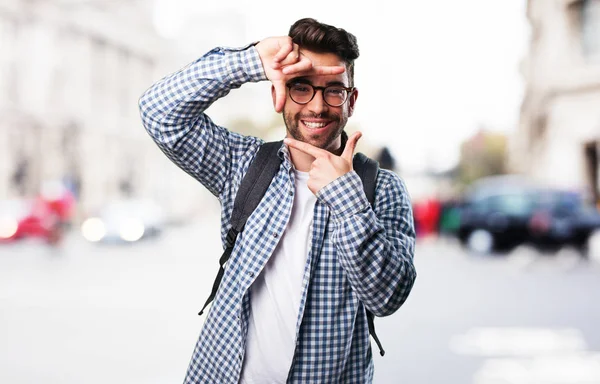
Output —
(275, 296)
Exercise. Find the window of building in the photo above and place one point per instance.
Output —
(590, 29)
(126, 100)
(8, 61)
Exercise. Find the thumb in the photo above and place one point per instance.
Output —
(280, 95)
(350, 146)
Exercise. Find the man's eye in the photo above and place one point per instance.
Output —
(301, 88)
(335, 91)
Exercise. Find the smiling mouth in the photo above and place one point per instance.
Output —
(315, 125)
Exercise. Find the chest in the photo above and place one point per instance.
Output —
(287, 216)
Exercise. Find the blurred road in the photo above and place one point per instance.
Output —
(85, 313)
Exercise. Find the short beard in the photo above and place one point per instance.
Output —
(292, 121)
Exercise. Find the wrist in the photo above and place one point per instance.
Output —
(261, 49)
(245, 65)
(344, 196)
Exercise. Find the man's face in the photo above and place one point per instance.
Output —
(316, 122)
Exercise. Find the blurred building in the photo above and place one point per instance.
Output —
(71, 73)
(247, 110)
(559, 134)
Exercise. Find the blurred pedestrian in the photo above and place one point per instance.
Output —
(315, 256)
(386, 159)
(56, 204)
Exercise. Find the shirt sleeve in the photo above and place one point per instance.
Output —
(375, 247)
(172, 111)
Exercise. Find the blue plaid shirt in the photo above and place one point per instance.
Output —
(360, 258)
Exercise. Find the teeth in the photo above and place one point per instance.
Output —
(314, 125)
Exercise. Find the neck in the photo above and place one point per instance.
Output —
(302, 161)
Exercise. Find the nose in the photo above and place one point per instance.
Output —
(317, 105)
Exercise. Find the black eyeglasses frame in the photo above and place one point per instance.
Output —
(315, 88)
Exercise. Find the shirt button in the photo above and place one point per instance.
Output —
(291, 193)
(251, 274)
(275, 234)
(240, 357)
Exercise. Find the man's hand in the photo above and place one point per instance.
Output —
(283, 60)
(327, 167)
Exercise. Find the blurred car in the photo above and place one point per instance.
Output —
(502, 212)
(495, 217)
(563, 217)
(125, 221)
(28, 218)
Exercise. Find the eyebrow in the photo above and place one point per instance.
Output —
(304, 80)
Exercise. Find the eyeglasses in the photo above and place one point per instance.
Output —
(333, 95)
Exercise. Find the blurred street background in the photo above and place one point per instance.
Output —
(489, 110)
(82, 313)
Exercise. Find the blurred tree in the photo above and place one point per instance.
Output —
(484, 154)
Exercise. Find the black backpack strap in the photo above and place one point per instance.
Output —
(261, 172)
(255, 183)
(368, 169)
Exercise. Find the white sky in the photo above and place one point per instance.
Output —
(430, 72)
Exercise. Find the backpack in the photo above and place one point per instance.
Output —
(253, 187)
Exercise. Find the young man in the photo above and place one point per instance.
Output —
(314, 256)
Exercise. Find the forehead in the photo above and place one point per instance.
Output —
(325, 59)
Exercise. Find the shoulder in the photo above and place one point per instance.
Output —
(244, 150)
(387, 179)
(391, 186)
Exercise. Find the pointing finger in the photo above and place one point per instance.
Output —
(308, 69)
(304, 65)
(351, 146)
(328, 70)
(306, 148)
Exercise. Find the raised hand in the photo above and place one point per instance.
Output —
(283, 60)
(326, 167)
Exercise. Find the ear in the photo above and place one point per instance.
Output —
(352, 101)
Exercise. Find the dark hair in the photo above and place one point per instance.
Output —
(318, 37)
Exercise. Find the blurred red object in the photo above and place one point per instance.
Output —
(46, 216)
(22, 218)
(540, 223)
(427, 215)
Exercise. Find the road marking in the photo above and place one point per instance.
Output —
(529, 355)
(517, 341)
(583, 368)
